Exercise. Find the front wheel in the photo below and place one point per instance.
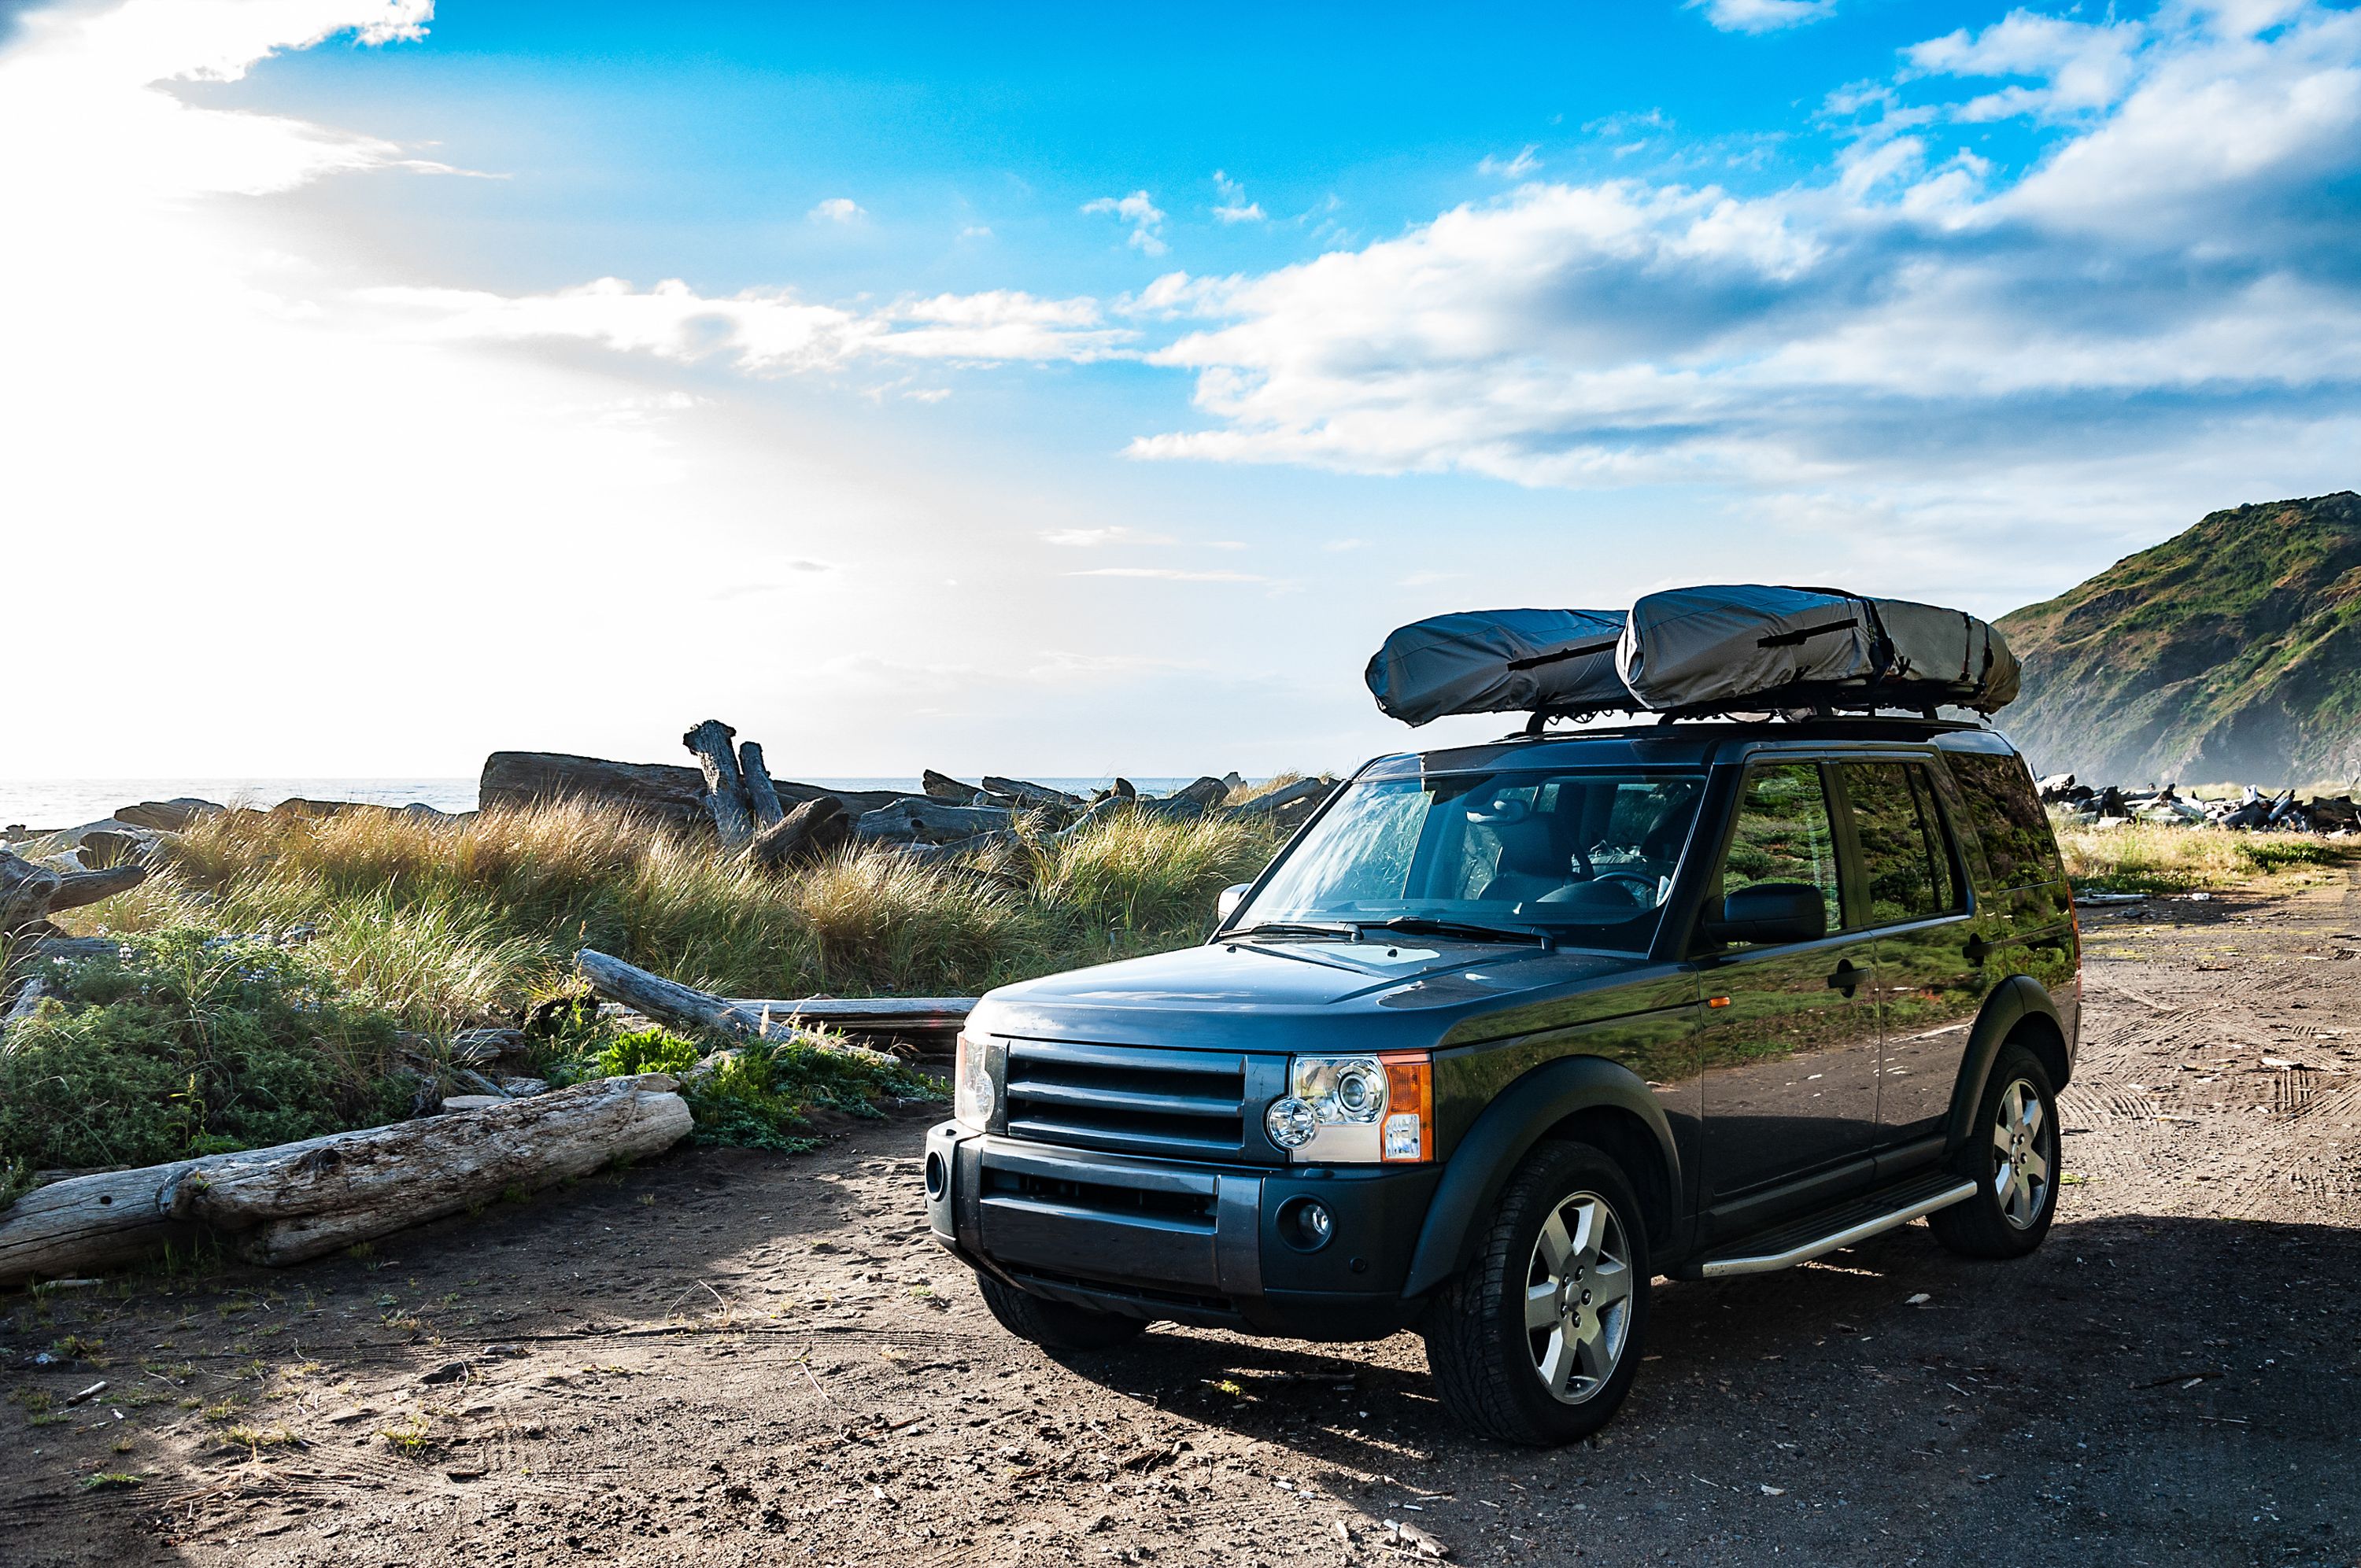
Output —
(1537, 1340)
(1054, 1325)
(2013, 1157)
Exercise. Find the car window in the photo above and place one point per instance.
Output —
(1782, 834)
(1904, 860)
(2008, 816)
(1588, 856)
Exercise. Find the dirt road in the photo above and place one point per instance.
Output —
(730, 1358)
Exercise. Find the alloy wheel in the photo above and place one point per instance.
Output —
(2024, 1148)
(1578, 1298)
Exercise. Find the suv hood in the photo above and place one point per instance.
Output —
(1296, 993)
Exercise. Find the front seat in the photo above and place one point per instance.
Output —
(1531, 864)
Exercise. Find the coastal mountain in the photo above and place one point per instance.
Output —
(2229, 653)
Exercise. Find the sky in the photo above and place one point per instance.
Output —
(1065, 391)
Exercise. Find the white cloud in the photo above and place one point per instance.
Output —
(768, 331)
(1146, 219)
(1170, 574)
(1515, 168)
(838, 210)
(1762, 16)
(1234, 207)
(2178, 261)
(1092, 538)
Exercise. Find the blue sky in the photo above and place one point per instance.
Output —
(1062, 391)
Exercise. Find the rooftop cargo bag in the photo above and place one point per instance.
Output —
(1710, 647)
(1501, 661)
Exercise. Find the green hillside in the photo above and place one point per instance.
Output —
(2231, 652)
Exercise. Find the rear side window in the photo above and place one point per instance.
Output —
(1906, 861)
(1782, 835)
(2007, 815)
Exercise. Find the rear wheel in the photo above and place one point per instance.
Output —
(1054, 1325)
(1537, 1340)
(2013, 1157)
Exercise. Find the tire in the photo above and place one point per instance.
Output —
(2013, 1157)
(1054, 1325)
(1504, 1363)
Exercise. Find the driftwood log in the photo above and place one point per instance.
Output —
(930, 822)
(511, 780)
(725, 787)
(1298, 795)
(942, 786)
(762, 794)
(815, 827)
(676, 1003)
(30, 893)
(88, 1222)
(868, 1015)
(168, 816)
(300, 1201)
(1031, 794)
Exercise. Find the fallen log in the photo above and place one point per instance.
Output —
(89, 1223)
(866, 1014)
(1278, 800)
(297, 1202)
(78, 888)
(725, 787)
(26, 892)
(929, 821)
(690, 1008)
(761, 794)
(1025, 793)
(813, 828)
(168, 816)
(514, 780)
(942, 786)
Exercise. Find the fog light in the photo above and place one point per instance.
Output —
(935, 1175)
(1305, 1224)
(1290, 1123)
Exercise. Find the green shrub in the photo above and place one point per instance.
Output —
(760, 1097)
(179, 1046)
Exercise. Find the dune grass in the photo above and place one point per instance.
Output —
(2155, 857)
(443, 923)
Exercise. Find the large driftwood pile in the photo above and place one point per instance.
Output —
(777, 823)
(298, 1200)
(2335, 816)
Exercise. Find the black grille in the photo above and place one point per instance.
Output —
(1181, 1211)
(1127, 1097)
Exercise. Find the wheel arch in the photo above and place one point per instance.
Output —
(1599, 1101)
(2019, 1011)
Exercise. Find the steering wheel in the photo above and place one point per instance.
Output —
(1643, 888)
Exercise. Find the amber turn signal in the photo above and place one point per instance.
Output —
(1408, 1133)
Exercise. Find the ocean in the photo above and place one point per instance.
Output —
(68, 803)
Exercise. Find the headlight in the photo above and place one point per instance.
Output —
(1356, 1110)
(977, 1078)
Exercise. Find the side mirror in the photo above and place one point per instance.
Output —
(1770, 912)
(1228, 906)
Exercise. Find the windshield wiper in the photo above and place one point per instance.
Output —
(1425, 926)
(1295, 928)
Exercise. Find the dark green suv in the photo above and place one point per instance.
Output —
(1508, 1031)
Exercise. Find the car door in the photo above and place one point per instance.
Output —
(1931, 977)
(1789, 1046)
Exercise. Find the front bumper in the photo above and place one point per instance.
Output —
(1180, 1240)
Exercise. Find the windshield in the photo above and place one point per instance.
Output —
(1586, 857)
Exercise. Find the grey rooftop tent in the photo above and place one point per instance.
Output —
(1696, 651)
(1501, 661)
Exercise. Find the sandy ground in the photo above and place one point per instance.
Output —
(728, 1358)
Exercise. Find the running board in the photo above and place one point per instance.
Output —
(1809, 1238)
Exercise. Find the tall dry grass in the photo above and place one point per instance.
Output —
(2155, 857)
(442, 922)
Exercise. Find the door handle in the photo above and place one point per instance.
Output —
(1847, 977)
